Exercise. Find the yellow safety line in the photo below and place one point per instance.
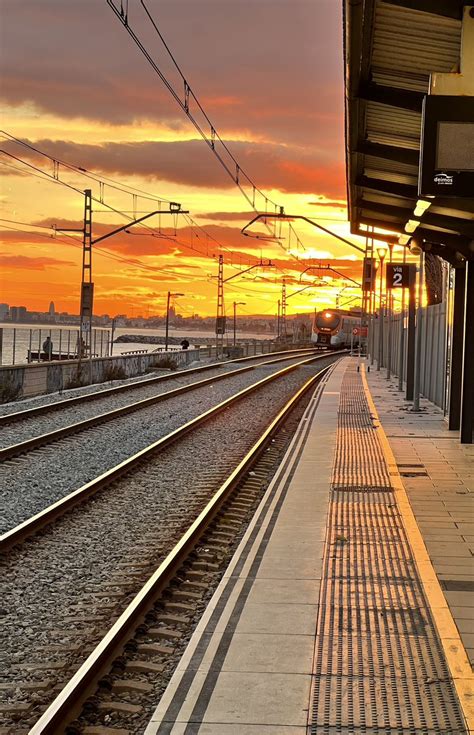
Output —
(455, 653)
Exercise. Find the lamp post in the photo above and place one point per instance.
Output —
(236, 304)
(419, 320)
(170, 295)
(381, 253)
(389, 302)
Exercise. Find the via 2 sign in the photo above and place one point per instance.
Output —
(398, 275)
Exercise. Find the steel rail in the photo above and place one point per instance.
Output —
(67, 705)
(10, 418)
(16, 450)
(32, 525)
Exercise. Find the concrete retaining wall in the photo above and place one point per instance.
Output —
(22, 381)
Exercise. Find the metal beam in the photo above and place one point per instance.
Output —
(389, 152)
(406, 99)
(452, 243)
(388, 187)
(391, 239)
(446, 8)
(461, 226)
(382, 224)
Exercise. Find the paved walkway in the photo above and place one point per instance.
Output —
(438, 475)
(321, 623)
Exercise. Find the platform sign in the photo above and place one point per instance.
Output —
(220, 325)
(398, 275)
(369, 273)
(447, 147)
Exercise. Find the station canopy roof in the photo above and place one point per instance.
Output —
(391, 48)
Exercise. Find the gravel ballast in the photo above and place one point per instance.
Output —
(43, 476)
(57, 600)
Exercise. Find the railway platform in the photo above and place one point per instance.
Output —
(340, 610)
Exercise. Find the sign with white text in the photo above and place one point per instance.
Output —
(398, 275)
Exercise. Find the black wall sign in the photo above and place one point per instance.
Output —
(447, 147)
(398, 275)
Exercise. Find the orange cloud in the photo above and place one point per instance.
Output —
(23, 262)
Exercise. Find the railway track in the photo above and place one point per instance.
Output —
(19, 416)
(44, 469)
(22, 447)
(88, 607)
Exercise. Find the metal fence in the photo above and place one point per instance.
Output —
(433, 363)
(21, 345)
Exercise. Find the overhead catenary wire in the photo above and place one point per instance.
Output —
(102, 251)
(126, 189)
(212, 135)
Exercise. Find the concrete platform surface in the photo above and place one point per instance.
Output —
(321, 623)
(438, 475)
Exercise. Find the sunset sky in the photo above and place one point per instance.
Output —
(269, 75)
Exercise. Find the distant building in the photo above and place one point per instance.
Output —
(18, 313)
(51, 310)
(4, 311)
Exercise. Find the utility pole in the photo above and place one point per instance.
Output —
(87, 285)
(283, 310)
(220, 319)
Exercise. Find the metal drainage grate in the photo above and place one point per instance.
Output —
(379, 667)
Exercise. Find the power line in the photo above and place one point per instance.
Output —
(212, 136)
(55, 177)
(102, 251)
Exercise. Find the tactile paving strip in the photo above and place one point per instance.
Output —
(379, 667)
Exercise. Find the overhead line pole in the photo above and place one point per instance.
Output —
(87, 284)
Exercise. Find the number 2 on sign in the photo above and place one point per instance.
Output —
(397, 279)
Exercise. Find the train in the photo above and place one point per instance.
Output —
(335, 329)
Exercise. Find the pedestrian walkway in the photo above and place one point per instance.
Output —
(321, 624)
(438, 475)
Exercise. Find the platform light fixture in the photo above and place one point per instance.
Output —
(411, 225)
(404, 239)
(421, 206)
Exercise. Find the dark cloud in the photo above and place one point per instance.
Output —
(289, 169)
(271, 68)
(227, 216)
